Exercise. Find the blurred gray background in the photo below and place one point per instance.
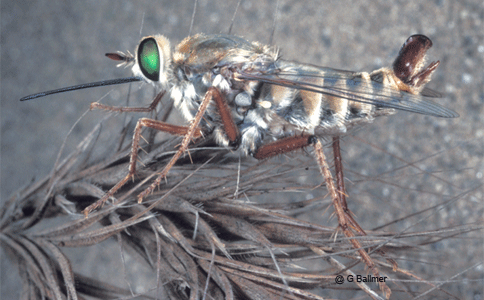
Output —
(51, 44)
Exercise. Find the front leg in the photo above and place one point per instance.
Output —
(229, 126)
(144, 122)
(188, 133)
(120, 109)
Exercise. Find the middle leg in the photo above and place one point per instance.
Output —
(230, 128)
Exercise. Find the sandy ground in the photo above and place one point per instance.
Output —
(52, 44)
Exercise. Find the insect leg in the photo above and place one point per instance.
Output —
(192, 131)
(144, 122)
(231, 130)
(150, 108)
(345, 221)
(283, 146)
(340, 183)
(342, 214)
(289, 144)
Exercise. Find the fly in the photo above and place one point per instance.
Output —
(249, 98)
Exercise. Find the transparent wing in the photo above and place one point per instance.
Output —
(348, 85)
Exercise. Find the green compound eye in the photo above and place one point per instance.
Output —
(149, 59)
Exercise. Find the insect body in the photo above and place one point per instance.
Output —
(249, 98)
(269, 98)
